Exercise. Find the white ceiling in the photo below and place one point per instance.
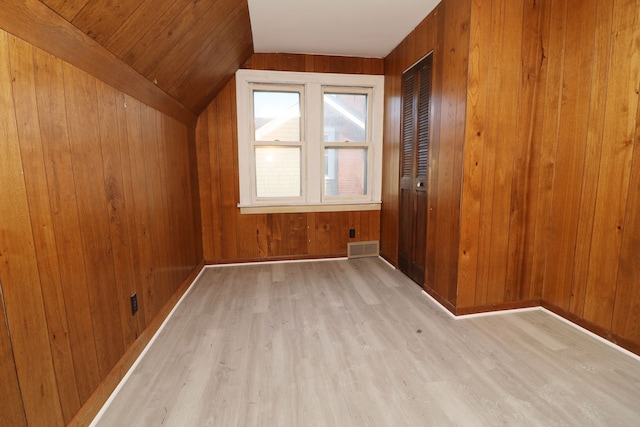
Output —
(367, 28)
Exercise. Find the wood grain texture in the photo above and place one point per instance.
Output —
(96, 18)
(588, 273)
(626, 318)
(448, 150)
(504, 99)
(91, 408)
(229, 236)
(356, 343)
(33, 21)
(519, 285)
(534, 190)
(69, 9)
(470, 244)
(445, 32)
(189, 49)
(11, 405)
(389, 214)
(548, 182)
(540, 168)
(571, 153)
(595, 128)
(53, 117)
(546, 133)
(615, 165)
(31, 148)
(86, 160)
(113, 139)
(81, 229)
(500, 158)
(23, 299)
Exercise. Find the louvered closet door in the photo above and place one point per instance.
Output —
(414, 169)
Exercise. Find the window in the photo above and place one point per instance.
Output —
(277, 143)
(347, 139)
(309, 141)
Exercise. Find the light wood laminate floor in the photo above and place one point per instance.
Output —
(356, 343)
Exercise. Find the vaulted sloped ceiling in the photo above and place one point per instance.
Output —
(188, 48)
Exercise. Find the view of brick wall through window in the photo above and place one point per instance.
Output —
(351, 173)
(345, 120)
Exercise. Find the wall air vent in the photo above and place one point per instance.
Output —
(363, 249)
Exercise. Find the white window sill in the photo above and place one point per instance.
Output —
(325, 207)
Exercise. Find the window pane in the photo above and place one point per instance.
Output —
(345, 171)
(278, 171)
(276, 116)
(345, 117)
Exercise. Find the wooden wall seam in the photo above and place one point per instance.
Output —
(83, 227)
(446, 32)
(550, 169)
(34, 22)
(12, 410)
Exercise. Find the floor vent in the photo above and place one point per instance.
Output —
(363, 249)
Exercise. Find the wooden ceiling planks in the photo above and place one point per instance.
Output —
(191, 45)
(183, 26)
(136, 25)
(159, 33)
(99, 19)
(230, 49)
(188, 48)
(68, 9)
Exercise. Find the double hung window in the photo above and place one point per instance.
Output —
(309, 141)
(346, 143)
(278, 142)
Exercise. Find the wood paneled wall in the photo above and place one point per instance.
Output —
(230, 236)
(174, 55)
(502, 157)
(97, 201)
(550, 202)
(34, 22)
(445, 32)
(550, 175)
(11, 406)
(590, 136)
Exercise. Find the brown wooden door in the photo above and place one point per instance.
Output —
(414, 169)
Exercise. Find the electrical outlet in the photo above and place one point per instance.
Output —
(134, 303)
(352, 233)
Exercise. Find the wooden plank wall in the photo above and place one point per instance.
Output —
(445, 32)
(550, 201)
(229, 236)
(11, 406)
(591, 134)
(97, 202)
(502, 157)
(34, 22)
(188, 48)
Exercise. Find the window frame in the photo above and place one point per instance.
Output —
(301, 143)
(368, 91)
(313, 199)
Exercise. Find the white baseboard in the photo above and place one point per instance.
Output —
(126, 377)
(538, 308)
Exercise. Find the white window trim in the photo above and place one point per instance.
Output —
(313, 83)
(255, 200)
(336, 199)
(353, 144)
